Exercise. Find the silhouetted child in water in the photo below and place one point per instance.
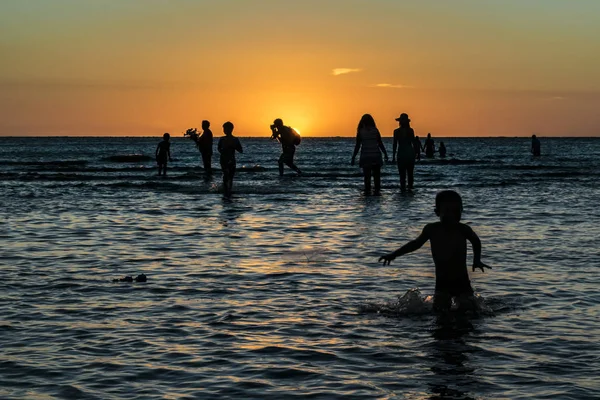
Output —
(228, 145)
(163, 153)
(449, 250)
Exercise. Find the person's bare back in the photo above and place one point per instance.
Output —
(448, 240)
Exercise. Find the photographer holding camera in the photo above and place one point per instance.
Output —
(204, 142)
(289, 139)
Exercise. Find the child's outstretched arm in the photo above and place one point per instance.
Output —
(408, 247)
(476, 243)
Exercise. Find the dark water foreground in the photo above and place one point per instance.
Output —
(277, 293)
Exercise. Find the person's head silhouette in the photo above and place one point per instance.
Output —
(228, 128)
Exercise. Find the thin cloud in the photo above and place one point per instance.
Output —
(391, 85)
(342, 71)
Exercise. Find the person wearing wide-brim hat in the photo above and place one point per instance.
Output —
(403, 151)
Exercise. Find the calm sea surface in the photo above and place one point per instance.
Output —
(277, 292)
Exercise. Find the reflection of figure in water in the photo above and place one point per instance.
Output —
(536, 146)
(418, 147)
(442, 150)
(449, 250)
(404, 140)
(289, 139)
(163, 153)
(205, 145)
(429, 146)
(228, 145)
(368, 141)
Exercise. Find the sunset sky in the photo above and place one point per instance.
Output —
(143, 67)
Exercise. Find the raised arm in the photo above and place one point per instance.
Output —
(476, 244)
(408, 247)
(356, 147)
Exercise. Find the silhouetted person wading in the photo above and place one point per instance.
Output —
(404, 141)
(368, 141)
(289, 139)
(205, 145)
(227, 147)
(536, 146)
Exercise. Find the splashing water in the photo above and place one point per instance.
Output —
(414, 303)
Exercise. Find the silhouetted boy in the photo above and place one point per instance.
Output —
(227, 146)
(163, 153)
(449, 250)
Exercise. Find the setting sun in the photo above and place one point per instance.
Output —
(474, 69)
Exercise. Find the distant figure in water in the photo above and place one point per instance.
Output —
(163, 153)
(449, 250)
(442, 150)
(404, 141)
(289, 139)
(536, 146)
(418, 147)
(429, 146)
(205, 145)
(227, 147)
(368, 141)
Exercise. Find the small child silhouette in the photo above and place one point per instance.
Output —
(163, 153)
(449, 250)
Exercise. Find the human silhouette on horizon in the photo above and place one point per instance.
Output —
(368, 141)
(418, 147)
(536, 146)
(448, 239)
(163, 153)
(205, 145)
(429, 146)
(404, 141)
(289, 139)
(442, 150)
(227, 147)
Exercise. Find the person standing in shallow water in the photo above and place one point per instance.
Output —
(404, 140)
(163, 153)
(289, 139)
(536, 146)
(448, 239)
(227, 147)
(368, 141)
(429, 146)
(205, 145)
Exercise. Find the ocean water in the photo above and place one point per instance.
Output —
(276, 292)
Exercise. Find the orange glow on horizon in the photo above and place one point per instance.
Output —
(461, 70)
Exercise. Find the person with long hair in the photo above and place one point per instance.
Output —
(404, 142)
(368, 141)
